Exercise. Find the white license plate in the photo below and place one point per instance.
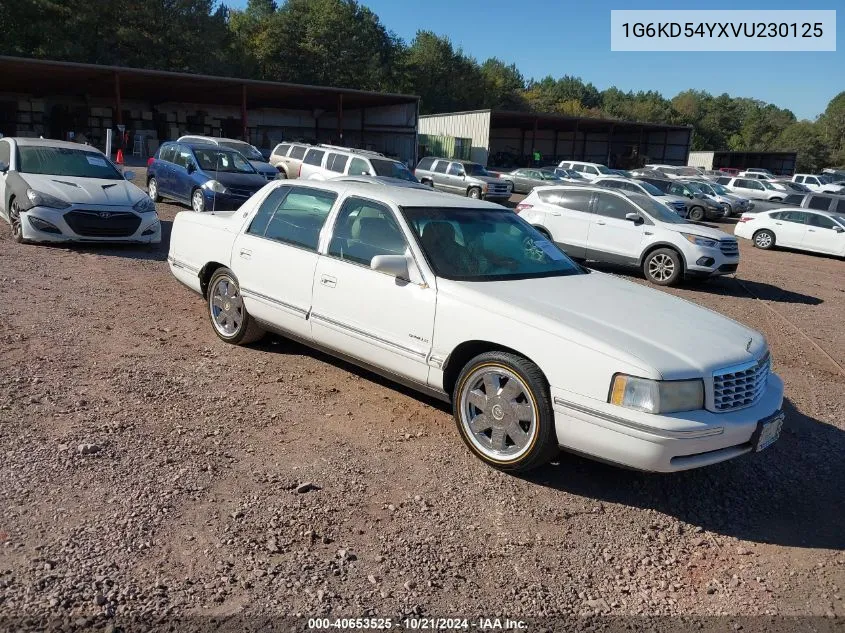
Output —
(770, 432)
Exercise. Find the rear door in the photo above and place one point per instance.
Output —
(312, 163)
(567, 214)
(456, 177)
(612, 237)
(5, 157)
(275, 256)
(821, 235)
(182, 182)
(164, 168)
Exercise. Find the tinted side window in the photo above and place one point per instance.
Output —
(613, 184)
(821, 221)
(794, 198)
(579, 167)
(793, 216)
(840, 206)
(299, 217)
(183, 156)
(441, 167)
(753, 184)
(364, 229)
(425, 163)
(742, 182)
(591, 170)
(799, 178)
(337, 162)
(812, 181)
(575, 200)
(455, 169)
(262, 218)
(314, 157)
(5, 152)
(281, 150)
(723, 181)
(358, 167)
(819, 202)
(167, 153)
(611, 206)
(297, 152)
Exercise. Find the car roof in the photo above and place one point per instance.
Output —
(401, 196)
(49, 142)
(211, 140)
(640, 198)
(803, 210)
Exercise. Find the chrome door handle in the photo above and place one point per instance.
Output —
(328, 281)
(778, 223)
(602, 223)
(811, 230)
(246, 254)
(554, 212)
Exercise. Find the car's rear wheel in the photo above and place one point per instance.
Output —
(696, 214)
(15, 221)
(764, 239)
(198, 201)
(229, 316)
(504, 413)
(474, 192)
(663, 267)
(282, 174)
(776, 199)
(152, 189)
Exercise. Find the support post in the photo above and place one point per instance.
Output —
(118, 107)
(554, 147)
(610, 147)
(584, 147)
(534, 139)
(340, 118)
(665, 145)
(243, 113)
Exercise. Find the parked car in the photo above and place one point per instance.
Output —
(323, 162)
(795, 187)
(733, 204)
(832, 202)
(700, 205)
(759, 170)
(624, 173)
(250, 152)
(816, 231)
(525, 179)
(820, 183)
(382, 180)
(207, 177)
(775, 181)
(570, 176)
(677, 204)
(730, 171)
(632, 229)
(675, 171)
(287, 158)
(752, 188)
(53, 191)
(590, 171)
(464, 300)
(462, 177)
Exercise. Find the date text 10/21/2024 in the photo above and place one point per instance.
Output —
(418, 624)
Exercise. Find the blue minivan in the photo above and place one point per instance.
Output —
(208, 178)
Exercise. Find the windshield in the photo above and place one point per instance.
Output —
(474, 169)
(573, 174)
(244, 148)
(603, 170)
(392, 169)
(224, 160)
(706, 188)
(651, 189)
(481, 245)
(767, 185)
(659, 211)
(65, 161)
(695, 187)
(719, 189)
(549, 175)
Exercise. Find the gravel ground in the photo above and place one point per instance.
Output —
(151, 470)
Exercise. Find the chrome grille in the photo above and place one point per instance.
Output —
(741, 386)
(102, 223)
(498, 188)
(729, 248)
(241, 193)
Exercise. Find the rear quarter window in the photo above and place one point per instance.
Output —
(314, 157)
(297, 152)
(281, 150)
(425, 163)
(820, 203)
(794, 199)
(441, 166)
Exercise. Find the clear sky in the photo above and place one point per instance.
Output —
(572, 37)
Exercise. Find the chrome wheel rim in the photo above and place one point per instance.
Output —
(498, 413)
(764, 240)
(661, 267)
(473, 193)
(227, 307)
(15, 219)
(152, 188)
(197, 201)
(282, 175)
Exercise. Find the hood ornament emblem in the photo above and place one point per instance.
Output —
(105, 215)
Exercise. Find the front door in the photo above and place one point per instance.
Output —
(612, 237)
(456, 177)
(374, 317)
(790, 228)
(821, 235)
(275, 257)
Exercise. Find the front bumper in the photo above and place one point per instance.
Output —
(709, 262)
(147, 232)
(660, 443)
(497, 195)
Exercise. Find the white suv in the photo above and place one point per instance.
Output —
(590, 171)
(821, 183)
(594, 223)
(752, 188)
(323, 162)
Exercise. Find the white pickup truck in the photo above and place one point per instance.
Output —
(465, 300)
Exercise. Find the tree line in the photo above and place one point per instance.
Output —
(343, 43)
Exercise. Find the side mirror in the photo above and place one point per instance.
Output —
(393, 265)
(4, 167)
(129, 175)
(690, 196)
(191, 168)
(636, 218)
(839, 229)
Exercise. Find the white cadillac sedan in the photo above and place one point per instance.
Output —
(54, 191)
(465, 300)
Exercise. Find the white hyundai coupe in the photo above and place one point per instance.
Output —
(54, 191)
(465, 300)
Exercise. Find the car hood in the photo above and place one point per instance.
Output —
(92, 191)
(245, 181)
(648, 328)
(263, 168)
(697, 229)
(487, 179)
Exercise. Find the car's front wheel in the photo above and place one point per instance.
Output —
(15, 221)
(474, 193)
(663, 267)
(696, 214)
(764, 239)
(229, 316)
(198, 201)
(504, 413)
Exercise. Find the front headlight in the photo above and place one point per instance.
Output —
(656, 396)
(39, 199)
(215, 186)
(700, 241)
(145, 205)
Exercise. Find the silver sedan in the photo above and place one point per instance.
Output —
(525, 179)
